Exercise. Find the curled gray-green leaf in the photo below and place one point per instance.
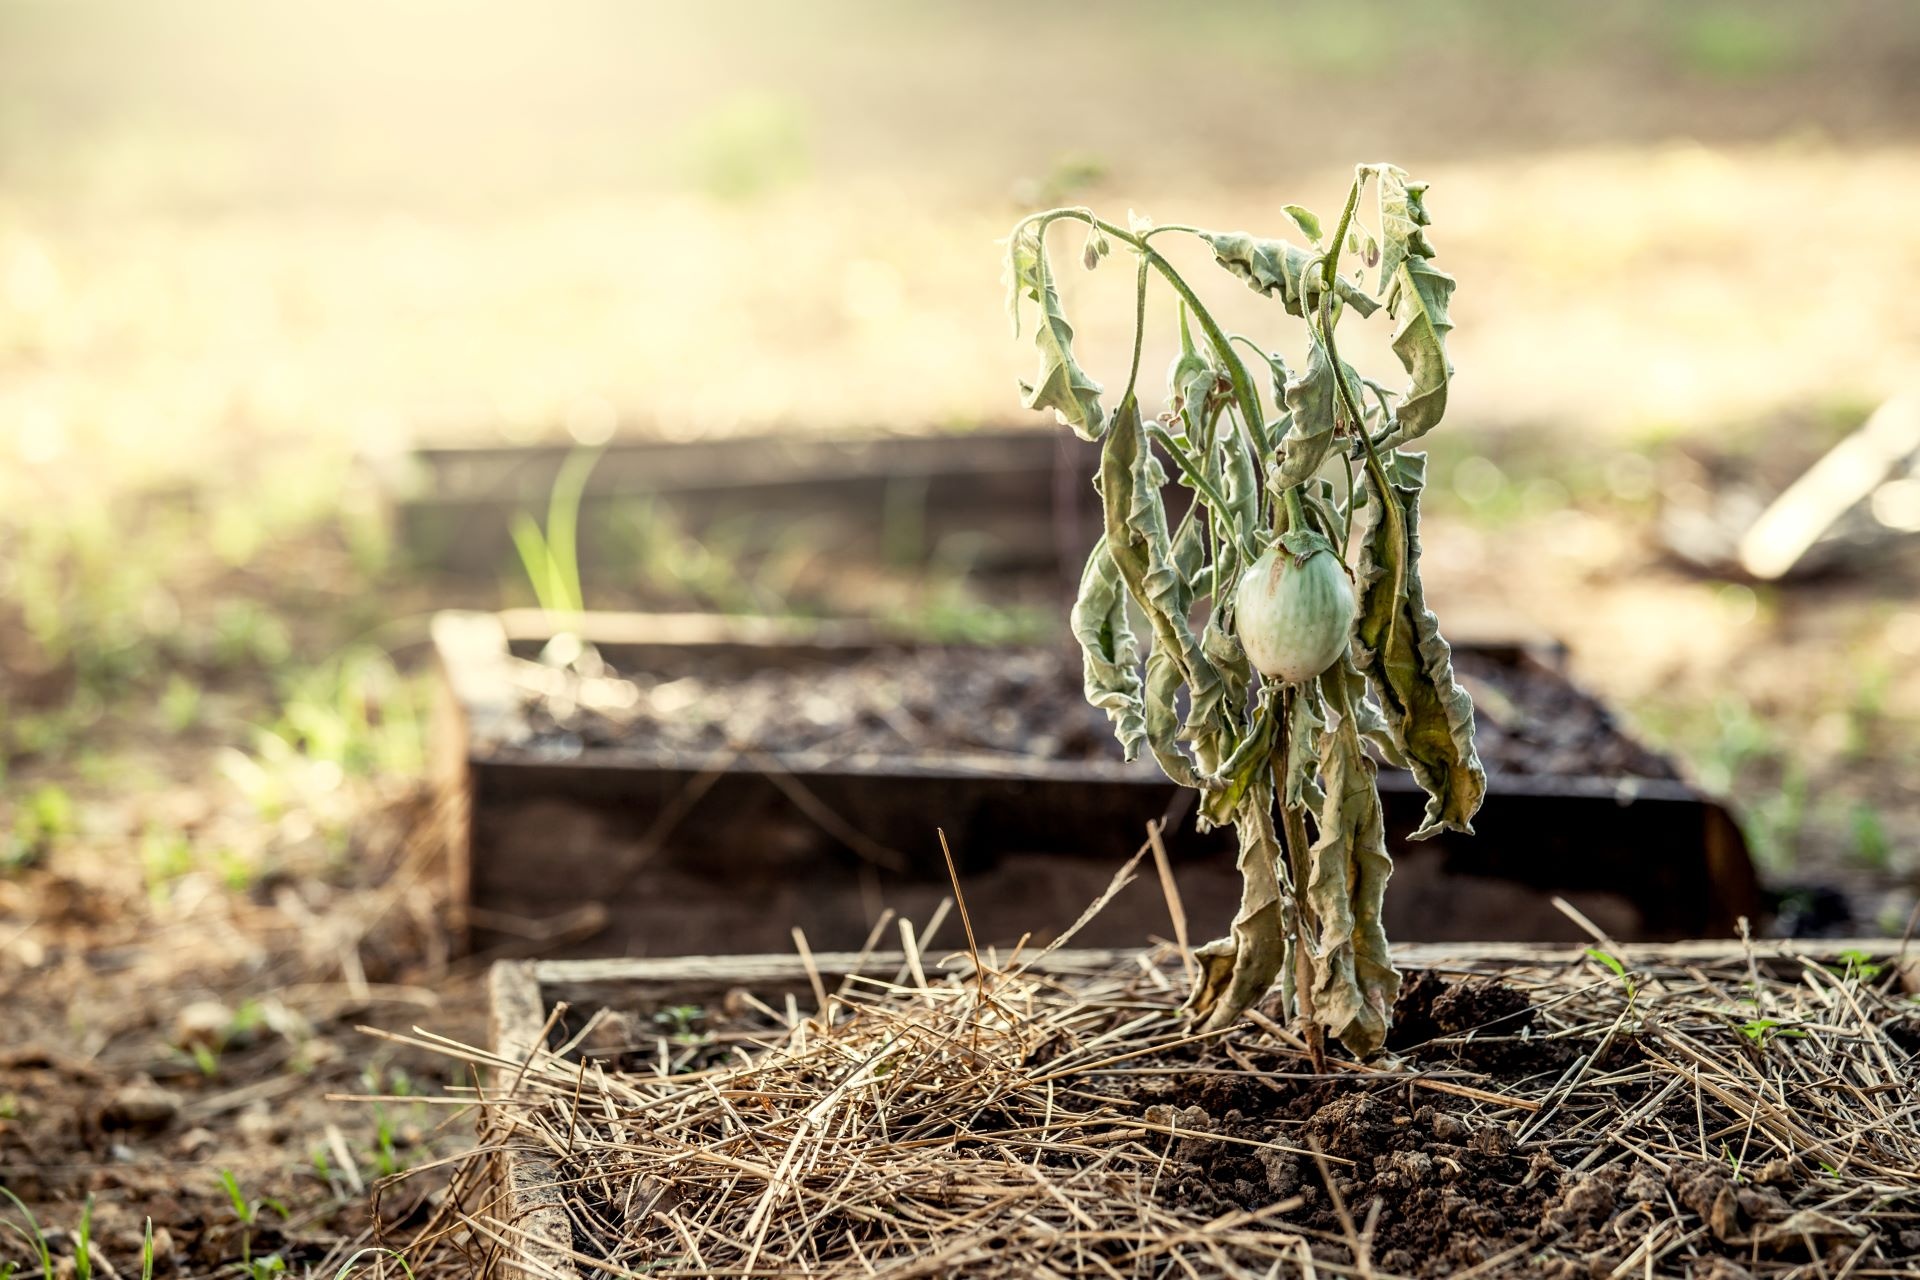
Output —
(1284, 271)
(1236, 971)
(1416, 293)
(1354, 981)
(1110, 651)
(1314, 416)
(1062, 385)
(1143, 552)
(1420, 342)
(1409, 665)
(1021, 274)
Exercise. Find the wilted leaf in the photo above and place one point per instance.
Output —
(1314, 415)
(1354, 981)
(1062, 385)
(1304, 724)
(1280, 270)
(1110, 652)
(1143, 551)
(1416, 293)
(1410, 665)
(1021, 274)
(1421, 343)
(1236, 971)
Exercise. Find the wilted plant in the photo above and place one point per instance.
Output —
(1287, 601)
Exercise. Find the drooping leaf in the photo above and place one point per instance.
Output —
(1240, 484)
(1281, 270)
(1143, 552)
(1236, 971)
(1416, 293)
(1110, 651)
(1343, 680)
(1354, 981)
(1164, 678)
(1407, 662)
(1190, 375)
(1021, 274)
(1304, 724)
(1421, 343)
(1315, 414)
(1062, 385)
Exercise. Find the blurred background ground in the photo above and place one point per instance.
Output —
(242, 245)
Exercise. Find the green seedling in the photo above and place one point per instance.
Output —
(550, 556)
(46, 816)
(1612, 964)
(1871, 847)
(1761, 1031)
(146, 1252)
(347, 1267)
(1287, 602)
(386, 1159)
(83, 1243)
(1857, 965)
(680, 1022)
(31, 1233)
(248, 1212)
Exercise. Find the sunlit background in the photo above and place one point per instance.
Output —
(252, 253)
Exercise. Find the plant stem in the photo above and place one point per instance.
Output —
(1139, 327)
(1390, 503)
(1296, 514)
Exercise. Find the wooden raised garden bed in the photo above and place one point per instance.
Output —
(811, 797)
(998, 499)
(1709, 1110)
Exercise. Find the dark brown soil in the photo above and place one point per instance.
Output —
(1013, 701)
(1445, 1189)
(1023, 702)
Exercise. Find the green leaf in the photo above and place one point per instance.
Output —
(1354, 981)
(1409, 665)
(1280, 270)
(1308, 223)
(1110, 652)
(1611, 961)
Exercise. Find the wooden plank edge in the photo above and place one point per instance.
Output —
(584, 980)
(525, 1197)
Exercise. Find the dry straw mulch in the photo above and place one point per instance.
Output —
(1750, 1116)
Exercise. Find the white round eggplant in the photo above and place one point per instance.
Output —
(1294, 617)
